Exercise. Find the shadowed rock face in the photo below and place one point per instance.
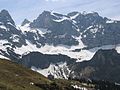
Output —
(9, 31)
(94, 29)
(64, 28)
(103, 66)
(5, 17)
(25, 22)
(42, 61)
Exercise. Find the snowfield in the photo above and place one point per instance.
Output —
(60, 49)
(79, 87)
(65, 50)
(59, 70)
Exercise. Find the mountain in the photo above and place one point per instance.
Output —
(93, 29)
(25, 22)
(8, 31)
(59, 44)
(57, 65)
(103, 66)
(5, 17)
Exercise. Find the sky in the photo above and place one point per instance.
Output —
(30, 9)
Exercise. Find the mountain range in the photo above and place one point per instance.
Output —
(76, 45)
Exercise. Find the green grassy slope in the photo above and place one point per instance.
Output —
(17, 77)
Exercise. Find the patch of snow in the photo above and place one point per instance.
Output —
(84, 36)
(65, 50)
(79, 87)
(88, 54)
(41, 31)
(74, 21)
(94, 30)
(3, 57)
(62, 19)
(31, 83)
(50, 49)
(101, 26)
(75, 26)
(110, 21)
(81, 44)
(103, 33)
(78, 30)
(26, 49)
(89, 27)
(2, 42)
(117, 84)
(52, 13)
(85, 30)
(25, 28)
(117, 47)
(3, 27)
(73, 17)
(59, 70)
(15, 38)
(11, 24)
(90, 12)
(4, 47)
(1, 23)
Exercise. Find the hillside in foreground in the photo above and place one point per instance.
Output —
(17, 77)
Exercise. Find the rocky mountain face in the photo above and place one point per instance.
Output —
(63, 45)
(8, 30)
(103, 66)
(93, 29)
(25, 22)
(52, 28)
(43, 60)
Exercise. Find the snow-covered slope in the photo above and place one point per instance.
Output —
(81, 55)
(60, 70)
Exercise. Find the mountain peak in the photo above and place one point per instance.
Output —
(5, 17)
(42, 21)
(106, 57)
(26, 21)
(46, 13)
(4, 11)
(72, 13)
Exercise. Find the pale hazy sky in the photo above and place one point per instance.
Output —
(30, 9)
